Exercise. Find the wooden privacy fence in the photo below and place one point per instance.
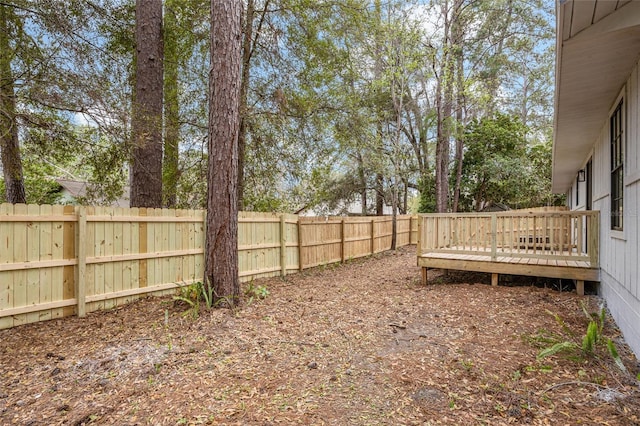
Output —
(336, 239)
(57, 261)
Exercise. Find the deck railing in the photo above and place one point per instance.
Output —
(559, 235)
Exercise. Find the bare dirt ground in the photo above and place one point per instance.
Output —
(360, 344)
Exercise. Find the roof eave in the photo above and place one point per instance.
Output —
(591, 68)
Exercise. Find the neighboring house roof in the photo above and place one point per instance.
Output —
(78, 189)
(597, 45)
(496, 207)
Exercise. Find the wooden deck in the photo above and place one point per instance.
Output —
(548, 244)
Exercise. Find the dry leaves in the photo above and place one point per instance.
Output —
(361, 344)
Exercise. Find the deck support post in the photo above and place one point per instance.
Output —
(494, 279)
(424, 276)
(580, 287)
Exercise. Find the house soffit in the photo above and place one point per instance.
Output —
(593, 63)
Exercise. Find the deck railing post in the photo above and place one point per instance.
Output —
(494, 236)
(419, 242)
(594, 239)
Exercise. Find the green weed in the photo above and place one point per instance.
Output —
(256, 292)
(193, 294)
(587, 346)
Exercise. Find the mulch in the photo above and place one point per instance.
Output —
(364, 343)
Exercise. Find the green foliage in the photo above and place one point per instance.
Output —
(565, 328)
(192, 185)
(190, 295)
(501, 166)
(556, 348)
(494, 162)
(339, 92)
(40, 187)
(591, 338)
(590, 343)
(539, 176)
(427, 194)
(615, 356)
(193, 295)
(256, 291)
(206, 293)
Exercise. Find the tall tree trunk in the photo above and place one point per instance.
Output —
(378, 68)
(379, 194)
(405, 196)
(221, 247)
(9, 145)
(442, 149)
(170, 168)
(363, 184)
(397, 96)
(146, 123)
(458, 35)
(444, 99)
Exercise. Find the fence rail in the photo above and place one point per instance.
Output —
(57, 261)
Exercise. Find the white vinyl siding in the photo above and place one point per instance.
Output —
(619, 249)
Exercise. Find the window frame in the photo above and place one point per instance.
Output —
(617, 160)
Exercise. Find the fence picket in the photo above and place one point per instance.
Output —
(7, 287)
(59, 260)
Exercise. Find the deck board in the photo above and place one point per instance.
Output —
(517, 264)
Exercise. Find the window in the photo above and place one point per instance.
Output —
(617, 167)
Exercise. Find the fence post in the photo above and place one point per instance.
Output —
(69, 252)
(283, 245)
(300, 263)
(373, 236)
(81, 284)
(416, 220)
(342, 242)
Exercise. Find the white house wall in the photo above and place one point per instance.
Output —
(619, 250)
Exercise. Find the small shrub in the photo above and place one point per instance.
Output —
(193, 294)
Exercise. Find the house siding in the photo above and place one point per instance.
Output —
(619, 250)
